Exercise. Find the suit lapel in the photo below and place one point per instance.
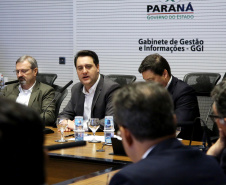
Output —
(15, 93)
(34, 94)
(97, 93)
(80, 100)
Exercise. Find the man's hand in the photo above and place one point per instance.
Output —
(71, 126)
(218, 147)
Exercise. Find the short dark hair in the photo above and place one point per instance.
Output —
(145, 109)
(85, 53)
(219, 96)
(156, 63)
(21, 142)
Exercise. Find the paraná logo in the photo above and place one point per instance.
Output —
(169, 1)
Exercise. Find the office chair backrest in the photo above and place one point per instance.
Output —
(122, 79)
(203, 83)
(224, 77)
(60, 97)
(46, 78)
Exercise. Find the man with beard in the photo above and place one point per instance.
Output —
(30, 92)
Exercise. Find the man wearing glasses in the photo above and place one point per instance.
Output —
(30, 92)
(219, 117)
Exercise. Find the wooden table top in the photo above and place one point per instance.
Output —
(89, 151)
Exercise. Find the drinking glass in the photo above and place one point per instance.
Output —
(94, 124)
(178, 130)
(62, 124)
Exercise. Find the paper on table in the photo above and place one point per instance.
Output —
(99, 138)
(88, 138)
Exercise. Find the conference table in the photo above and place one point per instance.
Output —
(83, 164)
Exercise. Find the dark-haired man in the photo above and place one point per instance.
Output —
(22, 155)
(156, 68)
(92, 96)
(30, 92)
(145, 116)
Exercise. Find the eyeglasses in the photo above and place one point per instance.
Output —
(22, 71)
(214, 117)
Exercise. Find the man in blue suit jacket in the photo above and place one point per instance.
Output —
(156, 68)
(147, 123)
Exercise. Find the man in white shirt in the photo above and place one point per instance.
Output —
(30, 92)
(92, 96)
(147, 123)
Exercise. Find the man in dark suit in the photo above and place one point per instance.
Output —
(219, 117)
(30, 92)
(92, 96)
(147, 123)
(155, 68)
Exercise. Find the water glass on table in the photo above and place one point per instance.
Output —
(62, 124)
(94, 124)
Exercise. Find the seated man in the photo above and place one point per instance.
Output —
(145, 116)
(156, 68)
(92, 96)
(219, 109)
(30, 92)
(22, 157)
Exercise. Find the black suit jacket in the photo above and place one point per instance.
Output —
(172, 163)
(186, 108)
(102, 100)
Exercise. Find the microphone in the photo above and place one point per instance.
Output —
(66, 145)
(62, 90)
(12, 82)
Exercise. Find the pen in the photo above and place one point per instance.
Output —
(74, 135)
(69, 135)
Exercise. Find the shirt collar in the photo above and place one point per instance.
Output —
(147, 152)
(93, 88)
(29, 90)
(169, 82)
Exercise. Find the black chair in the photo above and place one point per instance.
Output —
(59, 98)
(47, 78)
(224, 77)
(122, 79)
(203, 84)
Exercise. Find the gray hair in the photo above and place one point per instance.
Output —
(30, 59)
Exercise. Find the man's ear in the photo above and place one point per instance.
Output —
(35, 71)
(165, 73)
(126, 134)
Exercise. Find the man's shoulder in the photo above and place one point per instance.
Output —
(174, 160)
(44, 86)
(10, 87)
(180, 86)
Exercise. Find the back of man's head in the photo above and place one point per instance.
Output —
(156, 63)
(21, 143)
(145, 109)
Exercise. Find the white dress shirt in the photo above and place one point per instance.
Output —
(147, 152)
(88, 102)
(169, 82)
(24, 95)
